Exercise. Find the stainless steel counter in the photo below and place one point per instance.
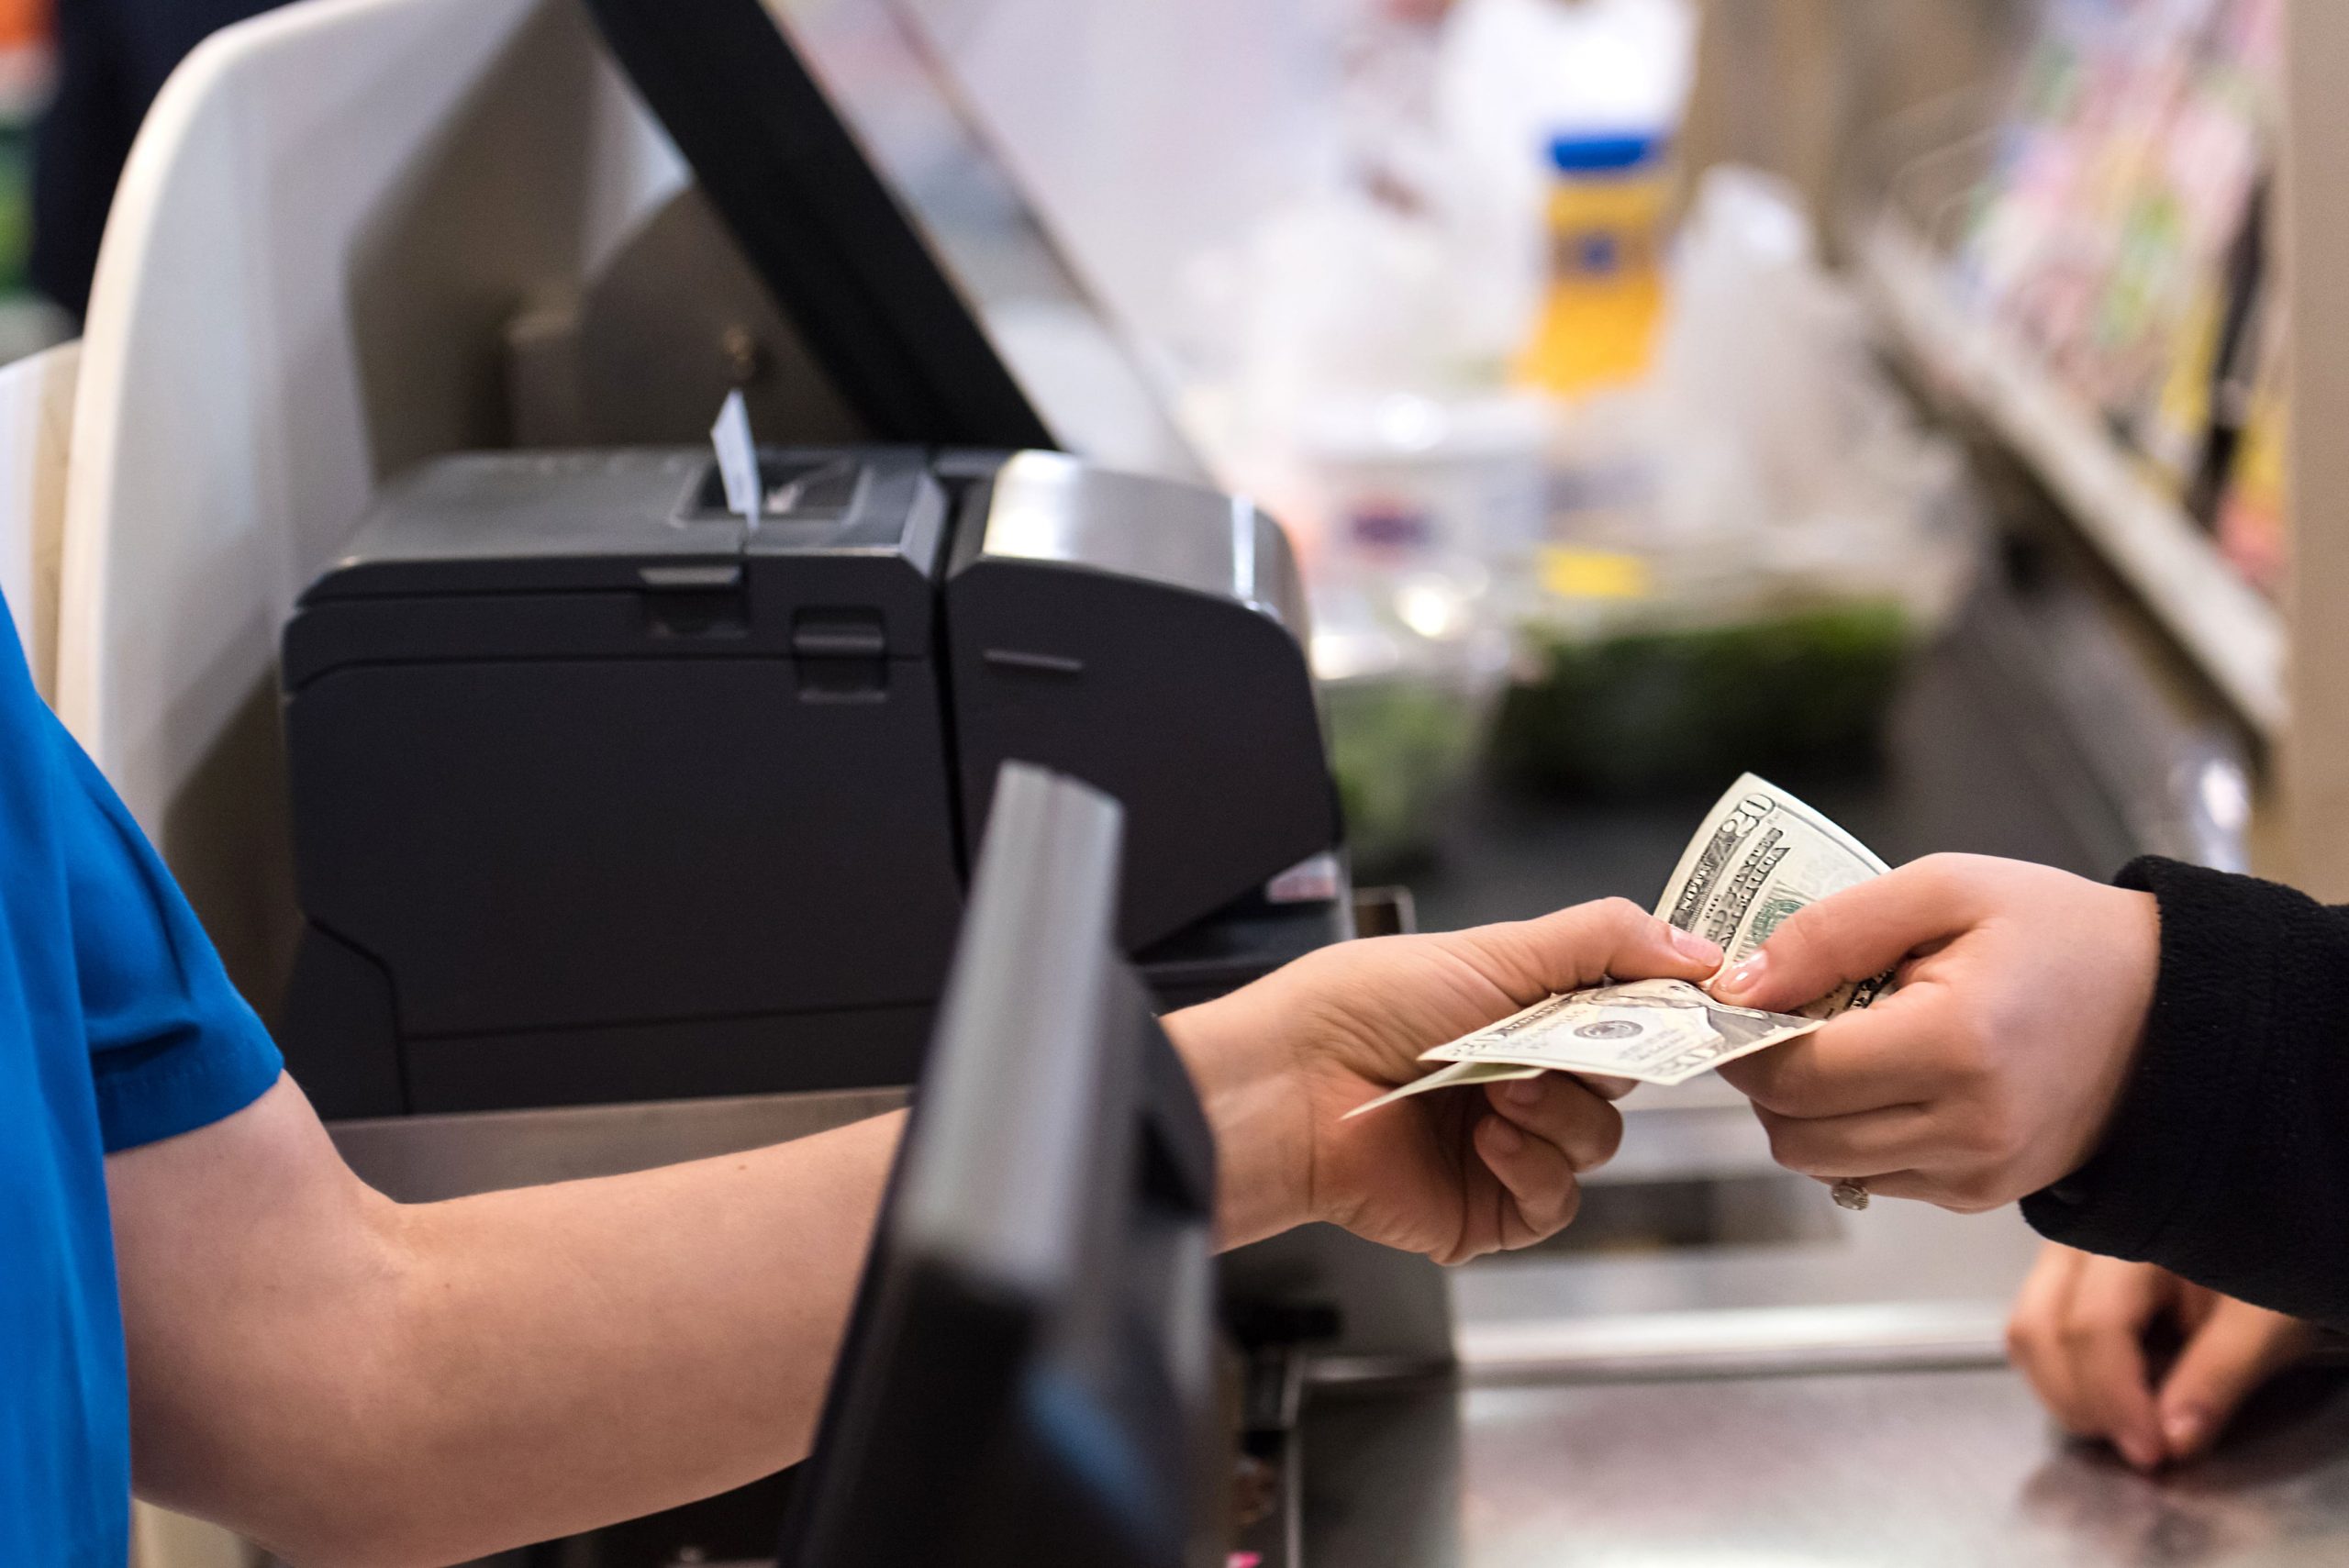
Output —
(1950, 1469)
(1718, 1368)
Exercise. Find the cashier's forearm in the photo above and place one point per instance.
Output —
(621, 1345)
(1249, 1091)
(358, 1381)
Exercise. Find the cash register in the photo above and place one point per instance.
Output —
(603, 792)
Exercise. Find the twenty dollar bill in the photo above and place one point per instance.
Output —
(1656, 1031)
(1759, 856)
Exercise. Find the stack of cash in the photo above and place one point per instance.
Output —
(1759, 856)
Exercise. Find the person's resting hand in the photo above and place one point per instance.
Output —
(1455, 1173)
(2078, 1334)
(1993, 1070)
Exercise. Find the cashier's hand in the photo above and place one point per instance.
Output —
(2079, 1331)
(1993, 1070)
(1455, 1173)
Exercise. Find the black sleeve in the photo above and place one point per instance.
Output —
(2228, 1157)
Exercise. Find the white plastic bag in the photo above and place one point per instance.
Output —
(1776, 428)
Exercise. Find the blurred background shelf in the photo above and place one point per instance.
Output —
(2233, 634)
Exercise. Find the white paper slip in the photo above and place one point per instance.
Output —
(738, 459)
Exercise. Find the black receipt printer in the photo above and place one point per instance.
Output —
(601, 793)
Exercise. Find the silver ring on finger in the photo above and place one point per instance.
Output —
(1851, 1192)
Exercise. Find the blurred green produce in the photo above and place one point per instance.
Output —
(1632, 709)
(1401, 749)
(15, 207)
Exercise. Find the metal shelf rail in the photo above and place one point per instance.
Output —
(2235, 636)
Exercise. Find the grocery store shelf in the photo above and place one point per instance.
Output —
(2224, 626)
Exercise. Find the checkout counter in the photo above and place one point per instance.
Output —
(1713, 1366)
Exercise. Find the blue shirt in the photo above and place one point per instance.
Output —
(118, 1027)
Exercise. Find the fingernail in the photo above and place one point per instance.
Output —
(2140, 1453)
(1695, 948)
(1745, 976)
(1524, 1092)
(2187, 1430)
(1505, 1140)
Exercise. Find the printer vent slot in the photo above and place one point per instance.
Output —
(1034, 664)
(689, 609)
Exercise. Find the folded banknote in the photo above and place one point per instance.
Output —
(1759, 856)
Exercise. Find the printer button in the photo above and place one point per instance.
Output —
(838, 634)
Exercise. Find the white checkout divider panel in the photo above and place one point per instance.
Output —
(36, 430)
(282, 312)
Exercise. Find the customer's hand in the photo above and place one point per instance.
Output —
(1454, 1173)
(1993, 1070)
(2078, 1333)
